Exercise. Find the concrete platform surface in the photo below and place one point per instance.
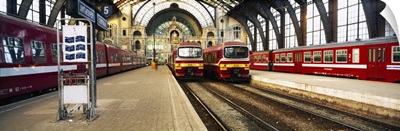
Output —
(143, 99)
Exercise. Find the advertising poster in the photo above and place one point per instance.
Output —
(392, 15)
(74, 43)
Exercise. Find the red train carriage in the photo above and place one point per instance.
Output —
(261, 60)
(28, 58)
(374, 59)
(28, 55)
(101, 63)
(187, 60)
(228, 61)
(113, 60)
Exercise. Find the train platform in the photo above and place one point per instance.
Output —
(141, 99)
(374, 97)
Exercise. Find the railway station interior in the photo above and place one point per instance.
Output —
(182, 65)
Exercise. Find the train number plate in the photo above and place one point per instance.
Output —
(235, 65)
(189, 64)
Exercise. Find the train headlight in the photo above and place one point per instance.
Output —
(182, 65)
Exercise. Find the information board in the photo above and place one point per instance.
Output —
(74, 43)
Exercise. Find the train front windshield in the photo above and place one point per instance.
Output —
(190, 52)
(236, 52)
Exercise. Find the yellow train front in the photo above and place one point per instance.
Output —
(228, 61)
(186, 61)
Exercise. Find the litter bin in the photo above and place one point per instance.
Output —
(153, 65)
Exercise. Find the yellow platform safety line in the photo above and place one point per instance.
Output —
(180, 65)
(226, 66)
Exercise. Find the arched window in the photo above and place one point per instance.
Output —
(137, 33)
(210, 34)
(209, 44)
(137, 45)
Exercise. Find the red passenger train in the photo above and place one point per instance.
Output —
(374, 59)
(28, 58)
(228, 61)
(186, 60)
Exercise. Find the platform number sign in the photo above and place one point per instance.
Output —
(106, 10)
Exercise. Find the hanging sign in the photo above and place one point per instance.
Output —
(74, 43)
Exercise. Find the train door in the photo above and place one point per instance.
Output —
(376, 63)
(298, 60)
(270, 61)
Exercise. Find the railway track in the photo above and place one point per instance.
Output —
(273, 111)
(244, 111)
(208, 117)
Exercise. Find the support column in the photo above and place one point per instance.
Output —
(333, 15)
(255, 38)
(283, 31)
(12, 7)
(303, 22)
(42, 12)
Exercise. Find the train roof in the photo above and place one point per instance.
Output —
(261, 52)
(189, 44)
(379, 40)
(13, 19)
(229, 43)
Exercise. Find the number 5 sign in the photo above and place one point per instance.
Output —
(106, 10)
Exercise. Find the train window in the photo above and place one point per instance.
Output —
(190, 52)
(276, 58)
(214, 57)
(373, 55)
(4, 40)
(13, 50)
(356, 55)
(101, 56)
(264, 59)
(328, 56)
(290, 57)
(307, 56)
(130, 59)
(97, 56)
(38, 52)
(396, 54)
(383, 54)
(317, 56)
(369, 55)
(283, 57)
(116, 58)
(53, 48)
(236, 52)
(111, 58)
(341, 56)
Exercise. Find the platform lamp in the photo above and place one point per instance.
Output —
(222, 32)
(154, 65)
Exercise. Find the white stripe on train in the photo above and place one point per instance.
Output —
(355, 66)
(17, 71)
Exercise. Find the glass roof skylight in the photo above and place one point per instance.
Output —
(197, 10)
